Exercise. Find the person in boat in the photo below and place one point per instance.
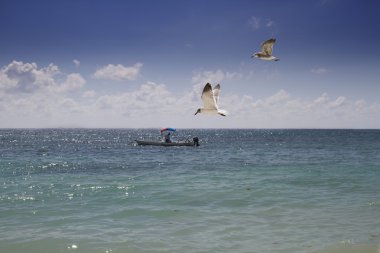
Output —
(167, 138)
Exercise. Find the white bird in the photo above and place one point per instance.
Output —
(266, 51)
(210, 98)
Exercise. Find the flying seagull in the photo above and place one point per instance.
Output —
(210, 98)
(266, 51)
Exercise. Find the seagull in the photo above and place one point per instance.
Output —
(210, 98)
(266, 51)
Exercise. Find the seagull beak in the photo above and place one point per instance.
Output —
(197, 112)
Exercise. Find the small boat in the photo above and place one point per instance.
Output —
(167, 141)
(194, 142)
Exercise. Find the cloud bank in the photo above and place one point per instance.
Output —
(32, 96)
(21, 78)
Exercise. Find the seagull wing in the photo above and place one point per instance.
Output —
(267, 46)
(208, 97)
(216, 92)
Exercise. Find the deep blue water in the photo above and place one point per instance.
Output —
(93, 190)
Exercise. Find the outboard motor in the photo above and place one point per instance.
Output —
(196, 141)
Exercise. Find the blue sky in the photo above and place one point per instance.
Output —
(144, 63)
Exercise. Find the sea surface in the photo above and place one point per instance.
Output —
(263, 191)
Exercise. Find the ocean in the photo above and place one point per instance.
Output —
(246, 190)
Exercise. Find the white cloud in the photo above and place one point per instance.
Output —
(322, 99)
(319, 71)
(200, 78)
(150, 98)
(73, 82)
(76, 63)
(31, 96)
(6, 83)
(361, 103)
(118, 72)
(269, 23)
(19, 77)
(234, 75)
(26, 77)
(277, 99)
(338, 102)
(254, 22)
(89, 94)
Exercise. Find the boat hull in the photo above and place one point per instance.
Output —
(165, 144)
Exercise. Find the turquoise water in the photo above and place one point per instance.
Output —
(93, 190)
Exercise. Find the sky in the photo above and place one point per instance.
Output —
(144, 63)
